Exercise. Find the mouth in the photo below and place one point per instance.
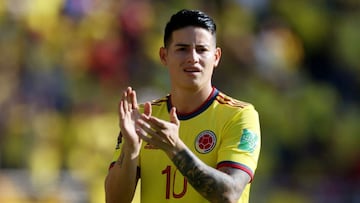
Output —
(192, 70)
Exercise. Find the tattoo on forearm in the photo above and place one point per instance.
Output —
(202, 180)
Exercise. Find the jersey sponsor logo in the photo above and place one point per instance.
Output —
(205, 141)
(248, 141)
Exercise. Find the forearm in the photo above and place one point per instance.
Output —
(212, 184)
(121, 180)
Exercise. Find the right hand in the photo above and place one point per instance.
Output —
(128, 114)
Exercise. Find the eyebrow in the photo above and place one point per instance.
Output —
(187, 45)
(181, 45)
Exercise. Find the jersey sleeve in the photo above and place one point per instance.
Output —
(240, 145)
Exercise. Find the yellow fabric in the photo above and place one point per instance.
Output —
(224, 120)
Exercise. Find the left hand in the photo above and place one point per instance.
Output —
(160, 133)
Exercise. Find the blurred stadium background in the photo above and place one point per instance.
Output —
(63, 64)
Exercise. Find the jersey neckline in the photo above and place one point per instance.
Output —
(197, 111)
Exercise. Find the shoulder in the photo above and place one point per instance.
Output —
(234, 110)
(229, 101)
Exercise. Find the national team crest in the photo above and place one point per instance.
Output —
(205, 141)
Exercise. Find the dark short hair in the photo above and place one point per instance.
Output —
(185, 18)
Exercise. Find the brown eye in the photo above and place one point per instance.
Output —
(181, 49)
(201, 49)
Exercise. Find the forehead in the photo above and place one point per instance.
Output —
(192, 35)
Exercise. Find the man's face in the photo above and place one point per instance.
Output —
(191, 57)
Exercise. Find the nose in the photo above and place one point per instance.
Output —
(193, 56)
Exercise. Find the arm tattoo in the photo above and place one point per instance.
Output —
(202, 180)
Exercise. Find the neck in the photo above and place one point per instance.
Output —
(187, 101)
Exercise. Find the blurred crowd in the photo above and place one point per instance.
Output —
(64, 63)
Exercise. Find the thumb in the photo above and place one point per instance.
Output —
(173, 116)
(147, 109)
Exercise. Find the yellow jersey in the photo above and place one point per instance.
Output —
(222, 132)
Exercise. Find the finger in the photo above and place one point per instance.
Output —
(145, 138)
(129, 95)
(121, 108)
(149, 131)
(152, 143)
(122, 113)
(134, 103)
(125, 101)
(173, 116)
(145, 127)
(140, 131)
(155, 123)
(147, 109)
(144, 135)
(128, 89)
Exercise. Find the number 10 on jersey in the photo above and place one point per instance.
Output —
(170, 183)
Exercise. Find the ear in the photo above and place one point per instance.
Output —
(163, 55)
(217, 56)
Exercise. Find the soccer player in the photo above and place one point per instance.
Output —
(194, 145)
